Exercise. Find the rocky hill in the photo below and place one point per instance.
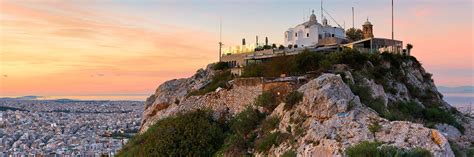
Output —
(338, 104)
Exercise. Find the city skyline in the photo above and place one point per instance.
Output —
(128, 47)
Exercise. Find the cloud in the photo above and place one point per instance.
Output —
(68, 45)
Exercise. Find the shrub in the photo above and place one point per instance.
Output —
(190, 134)
(377, 105)
(241, 134)
(407, 111)
(270, 123)
(253, 70)
(220, 66)
(267, 47)
(375, 149)
(267, 100)
(290, 153)
(417, 152)
(363, 149)
(438, 115)
(273, 139)
(306, 61)
(470, 152)
(220, 79)
(412, 111)
(292, 99)
(281, 47)
(246, 121)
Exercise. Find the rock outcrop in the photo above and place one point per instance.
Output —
(330, 127)
(331, 116)
(172, 93)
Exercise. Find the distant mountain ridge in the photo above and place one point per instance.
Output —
(460, 89)
(29, 97)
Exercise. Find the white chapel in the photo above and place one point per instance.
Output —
(309, 33)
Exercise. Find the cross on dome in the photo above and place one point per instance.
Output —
(312, 17)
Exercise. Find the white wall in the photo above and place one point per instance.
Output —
(314, 32)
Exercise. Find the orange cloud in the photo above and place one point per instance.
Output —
(46, 53)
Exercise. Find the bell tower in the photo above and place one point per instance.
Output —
(368, 29)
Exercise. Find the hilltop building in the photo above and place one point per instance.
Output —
(311, 32)
(310, 35)
(372, 44)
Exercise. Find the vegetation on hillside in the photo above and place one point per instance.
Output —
(220, 66)
(383, 68)
(197, 133)
(292, 99)
(267, 100)
(189, 134)
(220, 79)
(377, 149)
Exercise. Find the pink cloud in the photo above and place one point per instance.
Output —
(132, 58)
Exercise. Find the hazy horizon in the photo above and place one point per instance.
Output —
(452, 97)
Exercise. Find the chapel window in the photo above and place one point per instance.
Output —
(307, 34)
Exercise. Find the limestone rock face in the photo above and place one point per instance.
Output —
(330, 127)
(376, 90)
(329, 90)
(171, 97)
(172, 93)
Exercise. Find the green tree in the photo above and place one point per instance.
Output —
(374, 127)
(409, 47)
(354, 34)
(281, 47)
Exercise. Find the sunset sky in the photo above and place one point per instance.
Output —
(121, 47)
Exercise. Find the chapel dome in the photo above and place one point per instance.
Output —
(367, 23)
(312, 17)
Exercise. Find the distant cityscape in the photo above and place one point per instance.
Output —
(66, 127)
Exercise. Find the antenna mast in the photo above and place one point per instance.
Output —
(393, 34)
(322, 16)
(353, 17)
(220, 39)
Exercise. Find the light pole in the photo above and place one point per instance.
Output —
(393, 34)
(220, 39)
